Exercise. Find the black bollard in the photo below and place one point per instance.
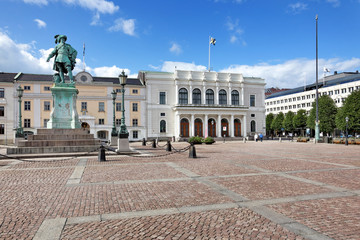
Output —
(143, 142)
(154, 143)
(192, 151)
(101, 156)
(168, 146)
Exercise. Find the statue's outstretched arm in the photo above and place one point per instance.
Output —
(53, 53)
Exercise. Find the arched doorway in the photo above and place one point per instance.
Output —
(212, 127)
(224, 127)
(253, 126)
(198, 127)
(184, 128)
(102, 135)
(237, 128)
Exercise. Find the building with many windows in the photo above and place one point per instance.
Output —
(192, 103)
(337, 86)
(157, 104)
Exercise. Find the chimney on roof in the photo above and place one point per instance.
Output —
(335, 72)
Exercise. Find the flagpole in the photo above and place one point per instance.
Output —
(84, 57)
(209, 52)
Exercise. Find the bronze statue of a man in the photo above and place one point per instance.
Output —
(65, 57)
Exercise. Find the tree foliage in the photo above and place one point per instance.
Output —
(350, 109)
(277, 123)
(269, 120)
(288, 121)
(327, 113)
(300, 119)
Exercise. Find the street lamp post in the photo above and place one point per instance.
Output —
(123, 133)
(346, 139)
(317, 130)
(113, 131)
(19, 130)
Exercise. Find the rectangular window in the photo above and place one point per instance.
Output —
(2, 111)
(27, 88)
(2, 93)
(27, 123)
(308, 104)
(2, 128)
(298, 98)
(303, 105)
(252, 100)
(135, 122)
(46, 88)
(307, 96)
(27, 105)
(46, 106)
(118, 107)
(294, 99)
(101, 107)
(290, 99)
(135, 91)
(101, 121)
(290, 107)
(331, 93)
(118, 90)
(343, 90)
(337, 91)
(324, 93)
(351, 89)
(45, 122)
(312, 95)
(303, 97)
(134, 107)
(117, 122)
(135, 134)
(162, 98)
(162, 114)
(84, 106)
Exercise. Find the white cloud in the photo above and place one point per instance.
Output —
(40, 23)
(95, 19)
(335, 3)
(38, 2)
(296, 8)
(175, 48)
(169, 66)
(293, 73)
(235, 31)
(126, 26)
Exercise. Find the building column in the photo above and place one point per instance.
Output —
(176, 93)
(216, 95)
(191, 125)
(177, 125)
(229, 97)
(190, 94)
(244, 127)
(204, 95)
(218, 126)
(231, 126)
(242, 96)
(206, 126)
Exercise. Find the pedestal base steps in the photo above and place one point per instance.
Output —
(57, 141)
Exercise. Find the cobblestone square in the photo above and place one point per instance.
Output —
(233, 190)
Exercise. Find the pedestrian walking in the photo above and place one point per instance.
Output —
(261, 137)
(256, 137)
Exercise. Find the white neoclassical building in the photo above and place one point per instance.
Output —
(194, 103)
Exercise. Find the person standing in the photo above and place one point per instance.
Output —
(261, 137)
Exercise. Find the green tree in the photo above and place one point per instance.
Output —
(350, 109)
(288, 121)
(269, 120)
(277, 123)
(300, 119)
(327, 114)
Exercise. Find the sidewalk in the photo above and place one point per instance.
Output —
(233, 190)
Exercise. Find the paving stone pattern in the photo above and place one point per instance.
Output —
(233, 190)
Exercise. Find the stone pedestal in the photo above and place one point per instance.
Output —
(64, 114)
(123, 145)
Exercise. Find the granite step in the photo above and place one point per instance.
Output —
(53, 143)
(58, 149)
(60, 137)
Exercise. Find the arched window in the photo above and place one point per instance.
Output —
(183, 96)
(196, 96)
(162, 126)
(222, 97)
(235, 97)
(209, 96)
(253, 126)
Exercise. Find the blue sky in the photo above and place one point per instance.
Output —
(271, 39)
